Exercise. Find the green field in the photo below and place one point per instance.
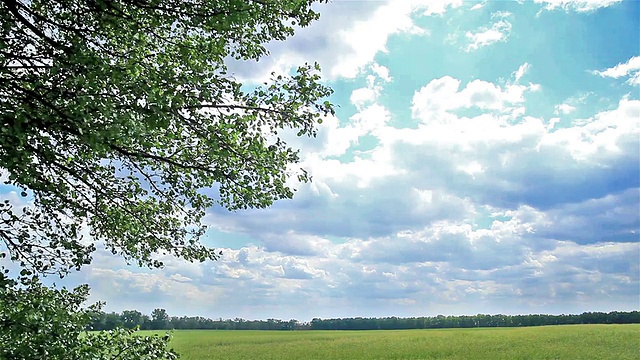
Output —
(547, 342)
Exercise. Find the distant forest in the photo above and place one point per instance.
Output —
(160, 320)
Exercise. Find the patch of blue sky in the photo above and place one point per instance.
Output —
(230, 240)
(337, 239)
(342, 89)
(484, 218)
(561, 48)
(360, 149)
(5, 189)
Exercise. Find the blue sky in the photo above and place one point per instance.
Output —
(484, 159)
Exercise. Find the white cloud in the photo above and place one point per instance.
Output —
(127, 289)
(367, 95)
(432, 7)
(432, 102)
(522, 70)
(498, 31)
(622, 69)
(346, 39)
(631, 68)
(335, 140)
(362, 96)
(564, 109)
(577, 5)
(365, 38)
(634, 79)
(478, 6)
(447, 265)
(381, 71)
(608, 133)
(471, 168)
(449, 165)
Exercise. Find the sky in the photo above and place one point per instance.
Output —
(484, 158)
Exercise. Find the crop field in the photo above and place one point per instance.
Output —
(546, 342)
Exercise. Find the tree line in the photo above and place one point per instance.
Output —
(160, 320)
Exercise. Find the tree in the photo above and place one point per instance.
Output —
(116, 115)
(159, 319)
(118, 119)
(38, 322)
(132, 318)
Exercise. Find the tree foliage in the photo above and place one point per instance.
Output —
(120, 122)
(38, 322)
(115, 115)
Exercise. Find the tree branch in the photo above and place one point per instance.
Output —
(12, 5)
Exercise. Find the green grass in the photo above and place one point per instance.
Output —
(547, 342)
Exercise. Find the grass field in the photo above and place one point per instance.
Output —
(547, 342)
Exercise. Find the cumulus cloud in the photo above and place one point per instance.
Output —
(456, 244)
(583, 222)
(448, 165)
(608, 134)
(527, 162)
(450, 265)
(135, 289)
(367, 37)
(498, 31)
(434, 101)
(343, 46)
